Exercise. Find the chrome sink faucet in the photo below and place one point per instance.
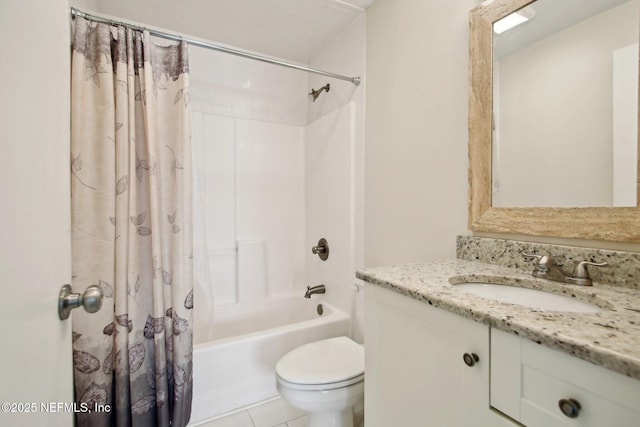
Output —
(545, 267)
(319, 289)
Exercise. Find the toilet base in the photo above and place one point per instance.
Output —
(342, 418)
(326, 408)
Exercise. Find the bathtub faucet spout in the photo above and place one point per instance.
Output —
(319, 289)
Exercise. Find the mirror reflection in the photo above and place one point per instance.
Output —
(565, 102)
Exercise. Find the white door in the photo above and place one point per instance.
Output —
(35, 346)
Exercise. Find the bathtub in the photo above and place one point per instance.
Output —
(235, 367)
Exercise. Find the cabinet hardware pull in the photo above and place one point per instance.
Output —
(569, 407)
(470, 359)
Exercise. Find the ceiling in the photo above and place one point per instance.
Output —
(551, 16)
(294, 30)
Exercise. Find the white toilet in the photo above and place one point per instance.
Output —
(325, 379)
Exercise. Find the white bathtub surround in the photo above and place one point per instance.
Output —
(331, 206)
(236, 367)
(357, 311)
(252, 176)
(203, 293)
(252, 271)
(269, 198)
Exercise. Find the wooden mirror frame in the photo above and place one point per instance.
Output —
(598, 223)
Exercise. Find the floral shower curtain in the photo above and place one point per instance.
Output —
(131, 227)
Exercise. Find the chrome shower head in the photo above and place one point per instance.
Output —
(314, 94)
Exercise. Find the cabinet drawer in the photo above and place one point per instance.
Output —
(542, 392)
(529, 380)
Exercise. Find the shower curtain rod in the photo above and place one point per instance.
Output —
(75, 12)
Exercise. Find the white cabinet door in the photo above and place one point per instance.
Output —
(34, 214)
(414, 372)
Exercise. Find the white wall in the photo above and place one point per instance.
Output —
(416, 129)
(85, 5)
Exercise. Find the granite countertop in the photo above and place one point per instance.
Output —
(608, 338)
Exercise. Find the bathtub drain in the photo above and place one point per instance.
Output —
(320, 309)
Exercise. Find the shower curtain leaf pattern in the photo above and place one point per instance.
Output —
(110, 329)
(135, 354)
(188, 301)
(141, 166)
(122, 185)
(172, 220)
(85, 362)
(76, 166)
(107, 290)
(153, 325)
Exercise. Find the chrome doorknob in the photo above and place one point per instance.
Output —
(91, 300)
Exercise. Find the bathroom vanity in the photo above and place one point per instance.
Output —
(415, 373)
(438, 355)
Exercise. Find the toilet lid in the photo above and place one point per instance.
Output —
(327, 361)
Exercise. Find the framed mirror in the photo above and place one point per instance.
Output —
(553, 119)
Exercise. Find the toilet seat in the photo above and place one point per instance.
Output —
(322, 365)
(322, 386)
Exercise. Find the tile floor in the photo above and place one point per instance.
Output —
(273, 413)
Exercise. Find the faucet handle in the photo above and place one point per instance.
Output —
(581, 269)
(580, 274)
(543, 262)
(538, 257)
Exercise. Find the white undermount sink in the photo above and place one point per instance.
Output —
(533, 298)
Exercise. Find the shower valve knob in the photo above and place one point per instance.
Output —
(318, 249)
(322, 249)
